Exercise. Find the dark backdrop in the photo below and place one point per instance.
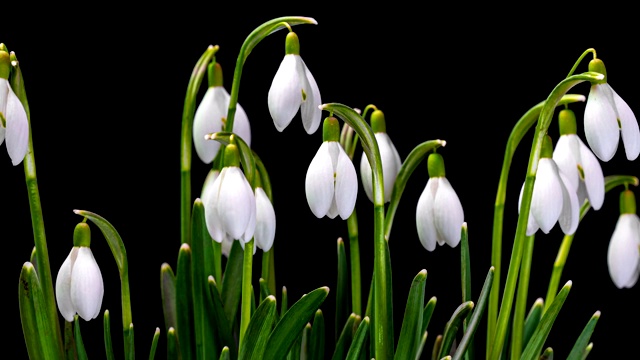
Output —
(106, 90)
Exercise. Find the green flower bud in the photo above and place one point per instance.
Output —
(378, 124)
(567, 122)
(331, 129)
(627, 202)
(82, 235)
(292, 44)
(435, 164)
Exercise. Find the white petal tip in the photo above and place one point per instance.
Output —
(443, 143)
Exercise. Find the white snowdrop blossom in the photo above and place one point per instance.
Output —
(623, 257)
(265, 221)
(294, 88)
(210, 117)
(79, 285)
(439, 214)
(331, 184)
(578, 164)
(14, 125)
(607, 117)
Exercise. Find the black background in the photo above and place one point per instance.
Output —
(106, 89)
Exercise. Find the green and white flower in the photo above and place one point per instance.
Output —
(14, 125)
(623, 257)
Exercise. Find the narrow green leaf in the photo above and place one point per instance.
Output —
(258, 331)
(356, 350)
(343, 300)
(69, 342)
(232, 281)
(587, 350)
(410, 333)
(224, 354)
(304, 342)
(29, 313)
(292, 323)
(423, 341)
(346, 337)
(154, 344)
(476, 316)
(82, 353)
(184, 301)
(108, 344)
(437, 345)
(317, 343)
(294, 350)
(427, 312)
(583, 340)
(130, 351)
(217, 320)
(534, 347)
(264, 289)
(532, 320)
(284, 304)
(451, 329)
(173, 348)
(547, 354)
(168, 290)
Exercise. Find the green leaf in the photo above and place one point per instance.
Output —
(410, 333)
(292, 323)
(437, 345)
(304, 342)
(359, 339)
(547, 354)
(264, 289)
(224, 354)
(587, 350)
(579, 347)
(451, 329)
(423, 341)
(168, 291)
(258, 331)
(427, 312)
(108, 344)
(82, 353)
(284, 304)
(534, 347)
(317, 341)
(173, 348)
(343, 301)
(184, 301)
(232, 281)
(32, 315)
(220, 326)
(154, 344)
(532, 320)
(346, 337)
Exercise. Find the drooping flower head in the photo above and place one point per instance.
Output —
(211, 116)
(390, 158)
(607, 117)
(623, 257)
(331, 184)
(553, 199)
(439, 214)
(79, 286)
(577, 163)
(294, 88)
(14, 125)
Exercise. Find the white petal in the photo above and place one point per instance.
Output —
(593, 177)
(570, 215)
(87, 288)
(285, 93)
(366, 176)
(532, 225)
(346, 191)
(448, 213)
(226, 245)
(600, 124)
(251, 226)
(546, 200)
(566, 155)
(425, 217)
(207, 120)
(234, 202)
(17, 129)
(4, 93)
(390, 163)
(265, 221)
(623, 255)
(241, 125)
(628, 127)
(310, 110)
(63, 286)
(209, 201)
(319, 182)
(207, 186)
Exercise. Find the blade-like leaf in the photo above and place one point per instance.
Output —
(437, 345)
(427, 312)
(317, 343)
(343, 300)
(224, 354)
(220, 326)
(583, 340)
(547, 354)
(293, 322)
(359, 339)
(451, 329)
(184, 301)
(258, 331)
(154, 344)
(108, 344)
(232, 281)
(31, 315)
(423, 341)
(532, 320)
(173, 348)
(168, 290)
(410, 333)
(304, 342)
(82, 353)
(346, 337)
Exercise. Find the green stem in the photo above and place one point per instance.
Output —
(245, 314)
(519, 130)
(186, 142)
(585, 53)
(517, 334)
(544, 120)
(354, 255)
(563, 252)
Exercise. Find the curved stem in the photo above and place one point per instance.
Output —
(585, 53)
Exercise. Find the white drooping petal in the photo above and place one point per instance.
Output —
(207, 120)
(285, 93)
(566, 155)
(207, 186)
(310, 110)
(532, 225)
(319, 181)
(251, 226)
(241, 125)
(4, 93)
(447, 212)
(424, 216)
(87, 288)
(265, 221)
(63, 287)
(209, 201)
(366, 176)
(391, 163)
(17, 133)
(346, 188)
(226, 244)
(235, 202)
(628, 127)
(570, 215)
(623, 256)
(593, 177)
(546, 200)
(600, 124)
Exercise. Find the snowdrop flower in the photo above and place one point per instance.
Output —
(230, 206)
(265, 221)
(390, 158)
(607, 117)
(294, 88)
(439, 214)
(211, 115)
(331, 184)
(577, 163)
(553, 200)
(623, 256)
(14, 126)
(79, 286)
